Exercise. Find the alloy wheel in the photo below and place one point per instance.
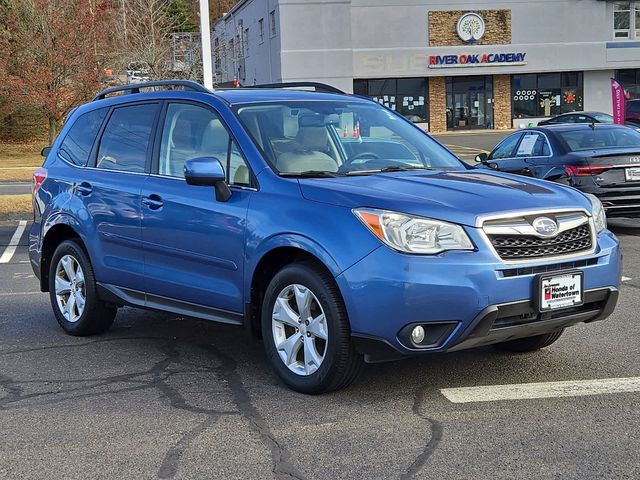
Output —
(299, 329)
(70, 288)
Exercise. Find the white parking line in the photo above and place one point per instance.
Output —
(626, 279)
(13, 243)
(16, 294)
(527, 391)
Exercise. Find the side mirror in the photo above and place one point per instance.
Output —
(45, 151)
(208, 172)
(482, 158)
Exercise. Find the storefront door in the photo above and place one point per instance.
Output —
(469, 102)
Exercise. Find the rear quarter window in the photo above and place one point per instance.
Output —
(77, 144)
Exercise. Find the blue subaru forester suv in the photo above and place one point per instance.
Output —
(324, 222)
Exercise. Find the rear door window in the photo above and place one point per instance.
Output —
(77, 144)
(125, 141)
(566, 119)
(533, 145)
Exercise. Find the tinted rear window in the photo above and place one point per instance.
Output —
(597, 139)
(76, 146)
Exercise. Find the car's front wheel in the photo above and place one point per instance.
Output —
(306, 332)
(72, 288)
(529, 344)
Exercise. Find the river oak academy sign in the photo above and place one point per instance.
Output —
(477, 60)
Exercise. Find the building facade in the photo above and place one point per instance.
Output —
(462, 64)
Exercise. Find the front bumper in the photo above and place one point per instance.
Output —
(470, 298)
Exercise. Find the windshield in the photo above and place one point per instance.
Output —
(598, 139)
(330, 138)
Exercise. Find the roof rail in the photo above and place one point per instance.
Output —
(319, 87)
(135, 87)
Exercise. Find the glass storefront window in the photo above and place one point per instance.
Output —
(546, 94)
(630, 81)
(469, 102)
(407, 96)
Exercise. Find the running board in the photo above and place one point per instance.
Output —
(134, 298)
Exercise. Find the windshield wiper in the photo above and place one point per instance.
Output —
(391, 168)
(310, 174)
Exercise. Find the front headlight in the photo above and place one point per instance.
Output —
(597, 210)
(411, 234)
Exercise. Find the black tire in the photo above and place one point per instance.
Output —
(342, 363)
(97, 316)
(529, 344)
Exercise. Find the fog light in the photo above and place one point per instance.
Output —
(417, 334)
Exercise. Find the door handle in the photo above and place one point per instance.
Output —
(154, 202)
(84, 188)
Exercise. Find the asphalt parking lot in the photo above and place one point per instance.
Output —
(160, 396)
(466, 145)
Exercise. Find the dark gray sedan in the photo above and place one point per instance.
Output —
(601, 159)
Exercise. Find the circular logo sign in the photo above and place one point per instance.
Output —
(470, 27)
(545, 227)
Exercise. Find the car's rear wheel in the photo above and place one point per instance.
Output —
(72, 289)
(306, 332)
(530, 344)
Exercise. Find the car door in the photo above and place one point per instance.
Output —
(111, 191)
(504, 155)
(194, 244)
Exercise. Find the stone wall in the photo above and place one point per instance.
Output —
(442, 27)
(502, 102)
(437, 105)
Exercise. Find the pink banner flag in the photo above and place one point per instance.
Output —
(617, 95)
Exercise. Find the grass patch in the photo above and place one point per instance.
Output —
(16, 174)
(15, 206)
(19, 160)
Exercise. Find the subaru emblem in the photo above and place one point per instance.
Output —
(545, 227)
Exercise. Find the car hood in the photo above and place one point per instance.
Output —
(455, 196)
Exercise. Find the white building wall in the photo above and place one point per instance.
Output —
(262, 60)
(597, 91)
(316, 42)
(334, 41)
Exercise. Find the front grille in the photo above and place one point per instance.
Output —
(516, 238)
(526, 247)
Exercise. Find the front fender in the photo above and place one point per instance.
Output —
(292, 240)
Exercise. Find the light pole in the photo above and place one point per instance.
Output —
(205, 36)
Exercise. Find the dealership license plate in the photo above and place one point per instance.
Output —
(560, 291)
(632, 174)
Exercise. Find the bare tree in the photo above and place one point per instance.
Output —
(143, 34)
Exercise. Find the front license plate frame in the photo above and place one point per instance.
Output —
(564, 282)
